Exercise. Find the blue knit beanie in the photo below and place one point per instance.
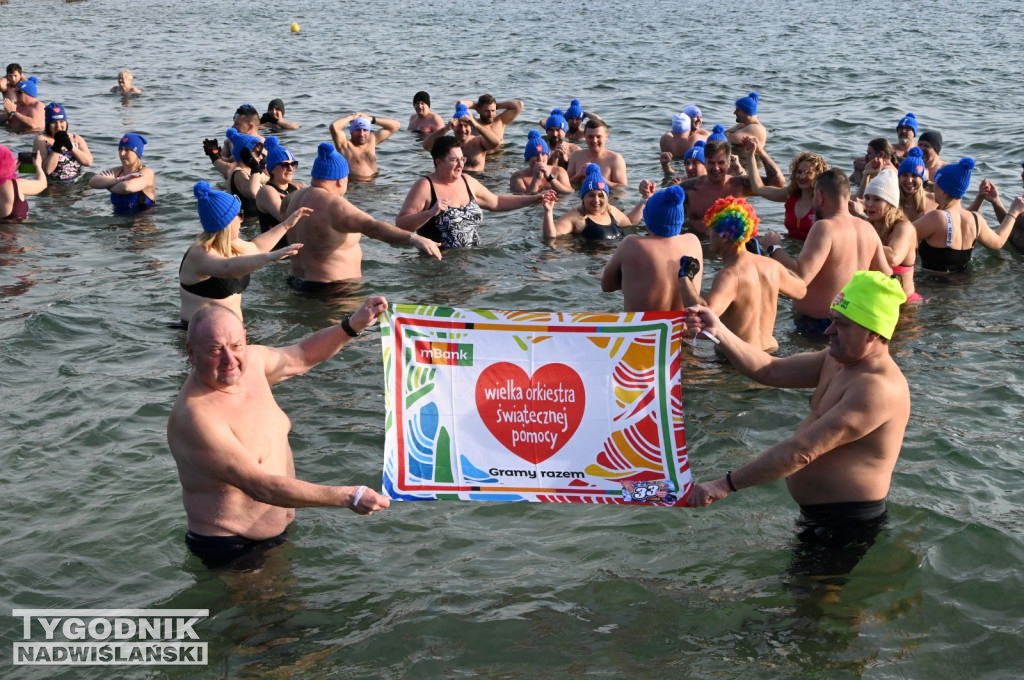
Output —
(955, 179)
(556, 119)
(217, 209)
(910, 121)
(55, 111)
(695, 151)
(134, 142)
(664, 212)
(574, 110)
(593, 181)
(329, 164)
(680, 123)
(29, 86)
(461, 111)
(748, 104)
(535, 144)
(913, 163)
(718, 134)
(276, 153)
(238, 141)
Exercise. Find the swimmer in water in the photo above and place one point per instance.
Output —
(595, 218)
(132, 185)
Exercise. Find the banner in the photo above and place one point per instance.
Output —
(533, 406)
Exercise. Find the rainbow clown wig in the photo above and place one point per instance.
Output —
(733, 219)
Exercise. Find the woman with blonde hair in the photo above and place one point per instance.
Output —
(899, 238)
(798, 195)
(216, 268)
(914, 200)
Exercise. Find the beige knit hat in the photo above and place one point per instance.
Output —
(886, 186)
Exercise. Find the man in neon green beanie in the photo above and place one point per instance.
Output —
(838, 464)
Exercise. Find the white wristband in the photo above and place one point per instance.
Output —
(359, 494)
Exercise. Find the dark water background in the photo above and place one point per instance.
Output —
(91, 511)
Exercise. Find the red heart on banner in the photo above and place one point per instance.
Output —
(532, 417)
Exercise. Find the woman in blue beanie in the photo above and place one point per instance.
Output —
(915, 200)
(216, 268)
(595, 218)
(948, 234)
(132, 186)
(64, 153)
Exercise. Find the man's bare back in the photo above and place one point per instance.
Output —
(332, 250)
(646, 269)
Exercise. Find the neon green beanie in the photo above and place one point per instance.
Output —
(872, 300)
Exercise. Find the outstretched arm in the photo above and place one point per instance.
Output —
(995, 239)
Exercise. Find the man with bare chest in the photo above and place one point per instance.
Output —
(229, 438)
(838, 464)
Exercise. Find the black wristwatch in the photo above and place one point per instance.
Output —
(347, 327)
(688, 267)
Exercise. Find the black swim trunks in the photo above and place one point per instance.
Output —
(323, 289)
(834, 537)
(811, 327)
(236, 552)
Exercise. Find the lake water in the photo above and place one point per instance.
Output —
(88, 369)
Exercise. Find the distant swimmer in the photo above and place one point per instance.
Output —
(647, 268)
(487, 108)
(574, 116)
(539, 175)
(274, 117)
(13, 190)
(215, 269)
(25, 113)
(330, 236)
(474, 147)
(229, 438)
(838, 245)
(124, 86)
(596, 218)
(132, 185)
(424, 120)
(360, 148)
(613, 166)
(447, 205)
(745, 291)
(747, 122)
(838, 464)
(703, 191)
(561, 151)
